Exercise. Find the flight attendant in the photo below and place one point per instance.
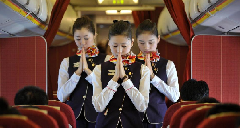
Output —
(75, 74)
(120, 85)
(164, 80)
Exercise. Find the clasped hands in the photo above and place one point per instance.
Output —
(119, 70)
(83, 66)
(148, 64)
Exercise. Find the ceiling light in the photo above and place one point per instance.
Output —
(111, 12)
(135, 1)
(133, 8)
(126, 12)
(100, 1)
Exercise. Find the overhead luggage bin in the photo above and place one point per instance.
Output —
(215, 17)
(163, 22)
(193, 9)
(23, 2)
(42, 14)
(31, 17)
(31, 5)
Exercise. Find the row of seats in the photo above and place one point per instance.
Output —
(191, 115)
(6, 121)
(179, 115)
(55, 115)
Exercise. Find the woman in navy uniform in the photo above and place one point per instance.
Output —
(75, 74)
(164, 80)
(120, 85)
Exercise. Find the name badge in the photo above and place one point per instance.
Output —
(111, 72)
(76, 64)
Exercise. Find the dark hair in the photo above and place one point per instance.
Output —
(83, 22)
(31, 95)
(207, 100)
(193, 90)
(219, 108)
(120, 28)
(5, 108)
(3, 105)
(237, 125)
(147, 26)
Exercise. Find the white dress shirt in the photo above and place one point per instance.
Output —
(171, 88)
(101, 97)
(66, 85)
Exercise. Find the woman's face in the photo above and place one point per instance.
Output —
(147, 42)
(120, 43)
(84, 38)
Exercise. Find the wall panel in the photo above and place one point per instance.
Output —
(22, 63)
(215, 59)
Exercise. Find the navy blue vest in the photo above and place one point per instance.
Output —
(157, 106)
(120, 108)
(82, 94)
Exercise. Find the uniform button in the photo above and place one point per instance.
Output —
(120, 109)
(84, 97)
(130, 73)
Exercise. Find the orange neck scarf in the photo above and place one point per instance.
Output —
(126, 60)
(154, 56)
(90, 52)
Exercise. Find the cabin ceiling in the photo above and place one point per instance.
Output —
(93, 7)
(94, 3)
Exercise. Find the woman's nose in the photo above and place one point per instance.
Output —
(119, 49)
(146, 47)
(83, 43)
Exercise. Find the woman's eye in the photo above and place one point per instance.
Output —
(124, 46)
(114, 46)
(78, 39)
(85, 38)
(150, 42)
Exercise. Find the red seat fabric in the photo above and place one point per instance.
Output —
(66, 109)
(222, 120)
(57, 115)
(16, 121)
(41, 119)
(177, 116)
(172, 109)
(193, 118)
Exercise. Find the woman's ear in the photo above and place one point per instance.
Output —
(94, 37)
(159, 38)
(132, 42)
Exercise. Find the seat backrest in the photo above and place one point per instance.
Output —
(177, 116)
(172, 109)
(66, 109)
(16, 121)
(194, 117)
(222, 120)
(42, 119)
(57, 115)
